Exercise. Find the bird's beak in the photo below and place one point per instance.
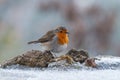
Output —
(67, 33)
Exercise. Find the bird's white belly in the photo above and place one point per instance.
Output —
(61, 48)
(54, 46)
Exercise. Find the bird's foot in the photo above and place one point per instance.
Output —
(68, 59)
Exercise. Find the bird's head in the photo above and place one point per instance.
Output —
(61, 30)
(62, 34)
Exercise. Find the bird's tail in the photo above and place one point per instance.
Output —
(31, 42)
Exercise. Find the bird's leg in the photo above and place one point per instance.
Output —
(55, 56)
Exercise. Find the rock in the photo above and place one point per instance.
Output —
(78, 56)
(36, 58)
(32, 58)
(90, 62)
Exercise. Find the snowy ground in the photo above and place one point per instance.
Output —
(108, 69)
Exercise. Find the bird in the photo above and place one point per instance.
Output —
(55, 40)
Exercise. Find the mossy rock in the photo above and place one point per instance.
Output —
(36, 58)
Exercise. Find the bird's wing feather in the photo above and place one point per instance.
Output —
(47, 37)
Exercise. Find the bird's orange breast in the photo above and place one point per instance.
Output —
(63, 38)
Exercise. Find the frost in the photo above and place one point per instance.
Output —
(108, 69)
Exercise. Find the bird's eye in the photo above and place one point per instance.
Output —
(60, 31)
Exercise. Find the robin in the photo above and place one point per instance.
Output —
(55, 40)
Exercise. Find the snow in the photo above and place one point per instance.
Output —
(108, 69)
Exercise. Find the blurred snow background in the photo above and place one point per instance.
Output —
(93, 24)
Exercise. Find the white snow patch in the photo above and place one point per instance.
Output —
(59, 75)
(80, 73)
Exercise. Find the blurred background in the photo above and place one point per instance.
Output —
(94, 25)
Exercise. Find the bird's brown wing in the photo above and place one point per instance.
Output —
(47, 37)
